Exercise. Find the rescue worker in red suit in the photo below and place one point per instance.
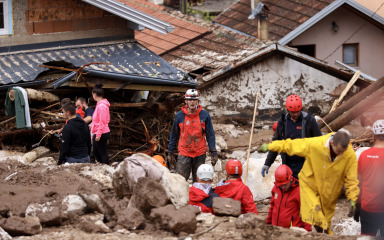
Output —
(285, 201)
(193, 127)
(370, 168)
(201, 193)
(233, 187)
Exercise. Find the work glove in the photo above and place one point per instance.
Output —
(356, 216)
(263, 148)
(171, 161)
(214, 159)
(264, 169)
(352, 209)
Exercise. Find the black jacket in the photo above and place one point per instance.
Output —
(76, 140)
(309, 128)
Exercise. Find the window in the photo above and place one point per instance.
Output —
(351, 54)
(4, 17)
(306, 49)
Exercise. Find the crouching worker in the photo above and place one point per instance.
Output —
(285, 201)
(233, 187)
(201, 193)
(76, 141)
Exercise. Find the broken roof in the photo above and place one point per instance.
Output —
(212, 77)
(126, 58)
(184, 32)
(134, 15)
(284, 16)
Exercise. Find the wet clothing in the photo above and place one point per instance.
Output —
(370, 168)
(75, 140)
(184, 166)
(305, 127)
(237, 190)
(100, 148)
(100, 118)
(192, 129)
(201, 195)
(321, 179)
(285, 208)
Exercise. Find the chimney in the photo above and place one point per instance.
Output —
(261, 11)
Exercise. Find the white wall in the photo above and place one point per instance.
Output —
(276, 78)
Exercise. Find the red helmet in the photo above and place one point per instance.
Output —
(293, 103)
(283, 175)
(274, 127)
(234, 167)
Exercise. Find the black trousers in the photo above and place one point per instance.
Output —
(185, 164)
(371, 222)
(100, 148)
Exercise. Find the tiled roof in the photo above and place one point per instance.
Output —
(158, 43)
(130, 58)
(284, 15)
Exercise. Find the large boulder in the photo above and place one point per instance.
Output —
(96, 204)
(170, 219)
(131, 219)
(49, 213)
(4, 235)
(149, 194)
(260, 186)
(176, 187)
(18, 226)
(226, 207)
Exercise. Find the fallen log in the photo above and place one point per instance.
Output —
(352, 102)
(355, 111)
(128, 105)
(36, 95)
(47, 113)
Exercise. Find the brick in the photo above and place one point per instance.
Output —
(58, 14)
(36, 15)
(62, 26)
(98, 23)
(28, 28)
(43, 27)
(76, 13)
(80, 25)
(91, 11)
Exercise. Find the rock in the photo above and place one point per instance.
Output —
(192, 209)
(131, 219)
(219, 166)
(74, 204)
(4, 235)
(226, 207)
(48, 213)
(93, 217)
(239, 155)
(266, 127)
(206, 218)
(93, 227)
(299, 230)
(97, 204)
(13, 155)
(249, 221)
(4, 211)
(260, 186)
(177, 221)
(149, 194)
(102, 174)
(221, 144)
(228, 129)
(18, 226)
(45, 161)
(176, 187)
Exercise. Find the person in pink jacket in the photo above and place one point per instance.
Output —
(99, 125)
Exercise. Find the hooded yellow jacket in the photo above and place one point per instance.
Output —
(321, 180)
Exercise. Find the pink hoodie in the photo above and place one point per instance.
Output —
(100, 118)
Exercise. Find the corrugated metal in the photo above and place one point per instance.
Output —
(133, 15)
(125, 57)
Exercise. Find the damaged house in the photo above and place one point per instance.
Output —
(63, 48)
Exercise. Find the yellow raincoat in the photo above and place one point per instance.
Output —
(321, 180)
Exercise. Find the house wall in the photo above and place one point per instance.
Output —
(370, 39)
(39, 21)
(275, 78)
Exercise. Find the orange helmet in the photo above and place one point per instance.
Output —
(293, 103)
(234, 167)
(160, 159)
(283, 175)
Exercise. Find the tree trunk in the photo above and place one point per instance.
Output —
(355, 111)
(352, 102)
(37, 95)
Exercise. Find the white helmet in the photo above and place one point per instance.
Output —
(378, 127)
(192, 94)
(205, 172)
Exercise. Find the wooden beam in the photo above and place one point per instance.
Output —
(114, 85)
(47, 113)
(128, 105)
(345, 91)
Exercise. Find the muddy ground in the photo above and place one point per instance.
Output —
(21, 185)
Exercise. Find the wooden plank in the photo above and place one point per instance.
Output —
(346, 90)
(128, 105)
(47, 113)
(114, 85)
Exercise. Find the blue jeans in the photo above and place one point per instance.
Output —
(77, 159)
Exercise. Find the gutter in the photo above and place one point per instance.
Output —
(366, 76)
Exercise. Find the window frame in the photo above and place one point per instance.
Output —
(356, 45)
(7, 18)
